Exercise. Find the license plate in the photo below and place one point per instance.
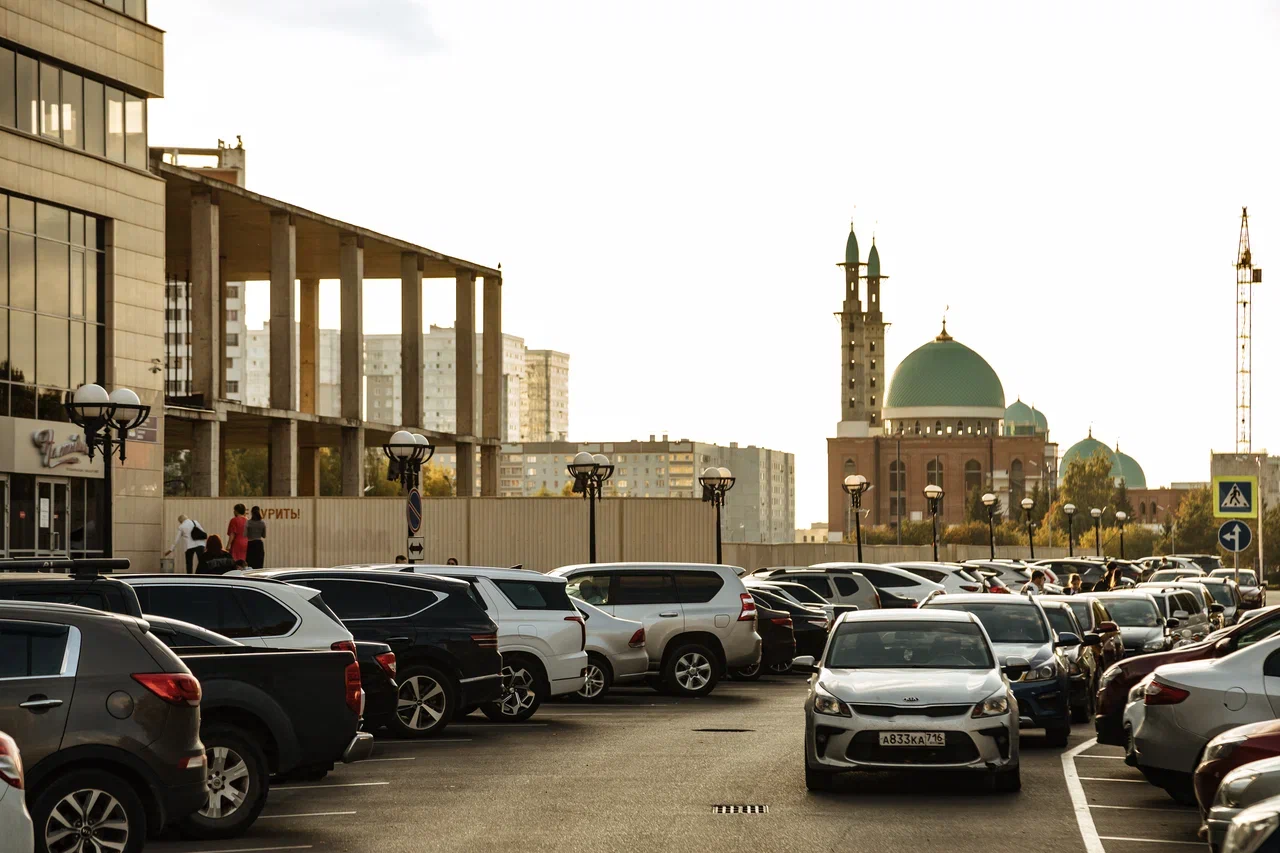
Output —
(913, 739)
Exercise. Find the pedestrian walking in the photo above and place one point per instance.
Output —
(1035, 586)
(190, 540)
(255, 530)
(237, 543)
(213, 560)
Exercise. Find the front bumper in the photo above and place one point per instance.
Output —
(1046, 703)
(853, 743)
(1217, 823)
(360, 748)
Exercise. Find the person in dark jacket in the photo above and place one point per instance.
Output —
(255, 530)
(213, 560)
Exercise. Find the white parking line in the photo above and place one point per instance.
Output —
(303, 814)
(497, 726)
(1105, 779)
(424, 742)
(405, 758)
(1200, 844)
(258, 849)
(325, 787)
(1174, 809)
(1104, 757)
(1079, 803)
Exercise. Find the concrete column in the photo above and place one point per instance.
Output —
(284, 273)
(283, 475)
(491, 393)
(352, 462)
(206, 308)
(309, 471)
(309, 346)
(206, 459)
(351, 275)
(411, 339)
(465, 362)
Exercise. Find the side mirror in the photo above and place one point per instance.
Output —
(1068, 640)
(1171, 624)
(1217, 608)
(1225, 646)
(1107, 627)
(1092, 640)
(805, 664)
(1014, 668)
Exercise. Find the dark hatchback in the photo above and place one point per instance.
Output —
(809, 624)
(446, 646)
(777, 641)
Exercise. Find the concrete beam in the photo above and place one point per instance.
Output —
(465, 364)
(491, 407)
(282, 479)
(206, 459)
(207, 354)
(284, 266)
(352, 462)
(351, 282)
(411, 366)
(309, 346)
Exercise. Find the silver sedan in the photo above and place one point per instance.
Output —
(616, 650)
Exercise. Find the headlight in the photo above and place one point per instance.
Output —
(825, 703)
(996, 705)
(1222, 746)
(1232, 789)
(1251, 828)
(1153, 645)
(1044, 672)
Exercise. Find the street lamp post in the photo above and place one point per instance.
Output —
(406, 453)
(1097, 530)
(589, 472)
(1121, 517)
(1027, 504)
(716, 482)
(934, 494)
(98, 413)
(854, 486)
(1070, 510)
(989, 501)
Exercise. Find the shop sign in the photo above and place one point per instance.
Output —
(58, 450)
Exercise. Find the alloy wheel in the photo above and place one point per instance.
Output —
(420, 702)
(87, 821)
(749, 671)
(780, 668)
(693, 671)
(594, 684)
(521, 692)
(227, 783)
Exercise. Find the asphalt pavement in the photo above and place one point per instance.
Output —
(642, 771)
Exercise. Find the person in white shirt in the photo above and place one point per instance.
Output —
(1035, 586)
(183, 542)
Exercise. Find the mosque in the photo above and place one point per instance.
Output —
(941, 419)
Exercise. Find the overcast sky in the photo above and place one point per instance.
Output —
(668, 187)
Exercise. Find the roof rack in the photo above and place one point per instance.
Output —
(86, 567)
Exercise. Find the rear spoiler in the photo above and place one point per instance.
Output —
(89, 567)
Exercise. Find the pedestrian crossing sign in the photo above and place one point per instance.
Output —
(1235, 497)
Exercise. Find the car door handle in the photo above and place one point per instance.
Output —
(40, 704)
(669, 614)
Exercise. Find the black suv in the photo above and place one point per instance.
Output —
(446, 647)
(69, 582)
(108, 722)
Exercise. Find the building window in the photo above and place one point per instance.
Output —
(873, 346)
(233, 315)
(972, 475)
(233, 339)
(231, 363)
(897, 476)
(233, 291)
(1017, 483)
(934, 473)
(233, 386)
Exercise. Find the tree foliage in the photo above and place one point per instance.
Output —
(245, 472)
(1087, 483)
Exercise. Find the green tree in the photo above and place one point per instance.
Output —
(1120, 501)
(330, 472)
(1087, 483)
(177, 473)
(1197, 529)
(376, 483)
(245, 472)
(437, 481)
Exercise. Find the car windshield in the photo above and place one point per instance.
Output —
(1133, 612)
(908, 645)
(1081, 610)
(1247, 578)
(1220, 593)
(1006, 623)
(1060, 620)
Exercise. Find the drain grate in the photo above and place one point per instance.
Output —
(728, 809)
(730, 731)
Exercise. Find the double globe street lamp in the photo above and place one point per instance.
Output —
(406, 453)
(1027, 504)
(98, 413)
(1097, 530)
(854, 486)
(716, 483)
(1070, 510)
(934, 495)
(989, 501)
(589, 473)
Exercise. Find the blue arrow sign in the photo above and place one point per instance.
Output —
(1235, 536)
(413, 511)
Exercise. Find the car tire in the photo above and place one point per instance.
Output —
(237, 783)
(691, 670)
(526, 690)
(599, 678)
(747, 673)
(425, 699)
(1057, 735)
(76, 789)
(1006, 781)
(781, 668)
(818, 780)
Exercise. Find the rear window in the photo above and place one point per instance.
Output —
(698, 587)
(886, 580)
(804, 595)
(535, 595)
(269, 617)
(845, 585)
(929, 574)
(29, 650)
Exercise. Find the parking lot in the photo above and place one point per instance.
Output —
(645, 771)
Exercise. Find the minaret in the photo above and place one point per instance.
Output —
(861, 345)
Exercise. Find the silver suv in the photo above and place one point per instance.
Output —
(699, 620)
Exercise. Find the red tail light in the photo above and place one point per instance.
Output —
(388, 663)
(10, 762)
(176, 688)
(637, 639)
(344, 646)
(355, 694)
(876, 593)
(1003, 589)
(970, 587)
(1163, 694)
(782, 620)
(581, 624)
(485, 641)
(748, 608)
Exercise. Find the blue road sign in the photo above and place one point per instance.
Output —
(1234, 497)
(413, 511)
(1235, 536)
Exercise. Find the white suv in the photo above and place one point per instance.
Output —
(699, 620)
(254, 611)
(541, 635)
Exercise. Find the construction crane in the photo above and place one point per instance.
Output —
(1247, 275)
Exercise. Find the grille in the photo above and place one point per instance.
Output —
(734, 809)
(959, 749)
(911, 710)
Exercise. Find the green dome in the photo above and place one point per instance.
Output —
(1123, 466)
(851, 256)
(873, 261)
(945, 373)
(1084, 449)
(1019, 417)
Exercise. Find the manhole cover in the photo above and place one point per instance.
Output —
(731, 731)
(727, 809)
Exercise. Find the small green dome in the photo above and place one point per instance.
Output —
(945, 373)
(873, 261)
(1123, 466)
(851, 256)
(1084, 449)
(1021, 419)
